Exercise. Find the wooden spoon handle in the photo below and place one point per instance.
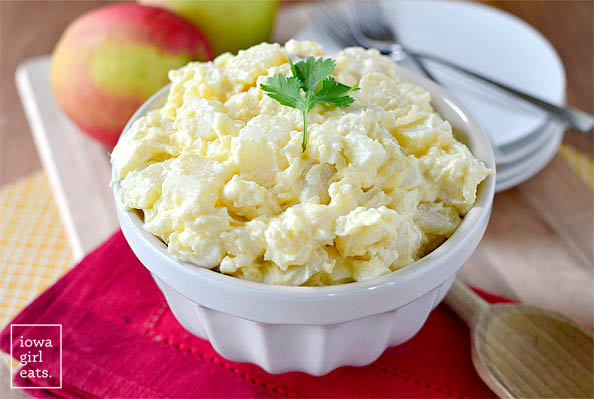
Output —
(465, 302)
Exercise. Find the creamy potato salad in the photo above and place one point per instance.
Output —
(220, 176)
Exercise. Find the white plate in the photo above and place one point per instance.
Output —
(484, 39)
(518, 172)
(514, 152)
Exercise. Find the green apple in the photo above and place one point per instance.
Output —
(229, 25)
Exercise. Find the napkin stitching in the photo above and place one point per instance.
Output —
(227, 366)
(417, 381)
(116, 376)
(154, 318)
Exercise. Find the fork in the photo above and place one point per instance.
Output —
(372, 30)
(377, 35)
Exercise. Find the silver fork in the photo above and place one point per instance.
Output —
(374, 29)
(349, 30)
(342, 31)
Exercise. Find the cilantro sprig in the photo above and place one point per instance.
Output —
(310, 84)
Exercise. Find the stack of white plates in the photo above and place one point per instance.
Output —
(500, 46)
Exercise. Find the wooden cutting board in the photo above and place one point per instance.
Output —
(78, 167)
(537, 249)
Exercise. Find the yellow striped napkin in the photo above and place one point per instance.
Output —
(34, 249)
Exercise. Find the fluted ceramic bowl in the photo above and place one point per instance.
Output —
(316, 329)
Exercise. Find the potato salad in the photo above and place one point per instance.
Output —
(220, 176)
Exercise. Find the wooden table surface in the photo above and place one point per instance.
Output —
(539, 244)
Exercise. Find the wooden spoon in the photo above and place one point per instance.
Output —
(521, 351)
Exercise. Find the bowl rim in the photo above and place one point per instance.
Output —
(479, 142)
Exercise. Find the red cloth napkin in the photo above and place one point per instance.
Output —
(121, 340)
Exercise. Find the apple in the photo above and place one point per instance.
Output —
(229, 25)
(110, 60)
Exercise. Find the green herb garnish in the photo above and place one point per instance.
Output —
(311, 76)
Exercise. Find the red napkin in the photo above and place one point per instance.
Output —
(121, 340)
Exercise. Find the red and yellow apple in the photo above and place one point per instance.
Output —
(229, 25)
(110, 60)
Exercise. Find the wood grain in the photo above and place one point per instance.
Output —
(524, 352)
(77, 166)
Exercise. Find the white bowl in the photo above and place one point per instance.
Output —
(316, 329)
